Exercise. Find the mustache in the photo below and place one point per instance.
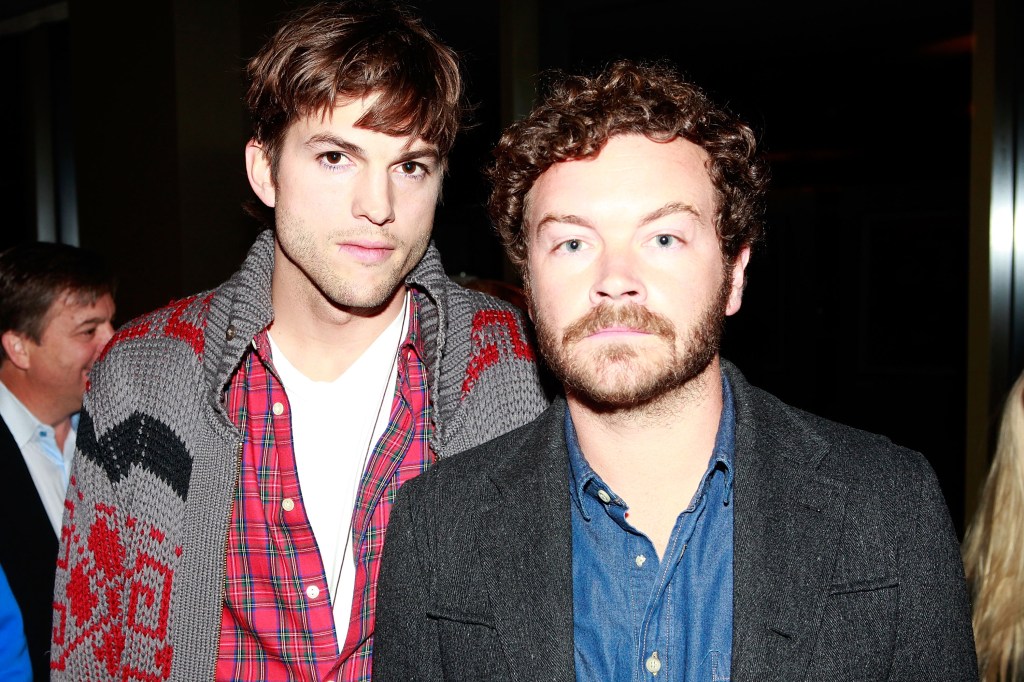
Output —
(630, 315)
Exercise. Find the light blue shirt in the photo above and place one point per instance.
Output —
(635, 617)
(49, 465)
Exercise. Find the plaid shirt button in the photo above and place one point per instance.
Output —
(288, 504)
(312, 591)
(278, 409)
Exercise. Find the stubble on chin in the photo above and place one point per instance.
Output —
(357, 287)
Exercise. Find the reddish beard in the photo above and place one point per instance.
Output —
(615, 376)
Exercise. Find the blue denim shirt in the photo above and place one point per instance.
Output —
(638, 618)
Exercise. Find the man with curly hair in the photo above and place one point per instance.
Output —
(665, 520)
(240, 450)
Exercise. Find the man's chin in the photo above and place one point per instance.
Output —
(617, 388)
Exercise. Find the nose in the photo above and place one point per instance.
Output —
(373, 199)
(618, 279)
(103, 334)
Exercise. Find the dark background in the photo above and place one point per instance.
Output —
(856, 306)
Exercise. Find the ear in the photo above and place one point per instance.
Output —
(739, 280)
(261, 176)
(524, 272)
(16, 347)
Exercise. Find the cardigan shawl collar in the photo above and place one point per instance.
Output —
(243, 306)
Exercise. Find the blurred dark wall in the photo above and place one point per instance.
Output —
(856, 304)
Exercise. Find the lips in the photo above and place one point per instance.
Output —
(368, 251)
(618, 331)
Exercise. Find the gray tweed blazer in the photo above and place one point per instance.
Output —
(846, 564)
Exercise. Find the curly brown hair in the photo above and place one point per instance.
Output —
(579, 114)
(346, 50)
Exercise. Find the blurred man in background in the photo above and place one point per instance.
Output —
(56, 311)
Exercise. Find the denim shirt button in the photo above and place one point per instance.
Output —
(640, 560)
(652, 664)
(604, 496)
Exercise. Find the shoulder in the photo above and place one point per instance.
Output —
(496, 333)
(486, 376)
(470, 478)
(148, 366)
(180, 322)
(810, 441)
(486, 315)
(862, 455)
(881, 484)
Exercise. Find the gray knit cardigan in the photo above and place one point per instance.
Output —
(140, 575)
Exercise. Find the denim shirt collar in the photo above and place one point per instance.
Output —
(583, 480)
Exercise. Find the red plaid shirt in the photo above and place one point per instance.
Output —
(277, 621)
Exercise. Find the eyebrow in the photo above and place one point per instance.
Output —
(326, 139)
(99, 319)
(670, 208)
(569, 219)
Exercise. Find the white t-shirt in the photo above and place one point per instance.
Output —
(335, 425)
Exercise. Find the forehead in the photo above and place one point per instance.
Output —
(346, 118)
(73, 306)
(632, 173)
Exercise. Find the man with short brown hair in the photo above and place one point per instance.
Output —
(242, 448)
(56, 308)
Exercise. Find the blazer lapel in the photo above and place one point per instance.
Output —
(526, 554)
(788, 522)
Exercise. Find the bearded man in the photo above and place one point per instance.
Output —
(666, 520)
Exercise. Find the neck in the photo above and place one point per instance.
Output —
(17, 382)
(654, 455)
(320, 339)
(617, 438)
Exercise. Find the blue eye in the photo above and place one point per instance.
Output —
(666, 240)
(571, 245)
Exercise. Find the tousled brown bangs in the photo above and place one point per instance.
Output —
(338, 53)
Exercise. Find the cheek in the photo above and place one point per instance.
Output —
(418, 204)
(300, 194)
(555, 303)
(422, 215)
